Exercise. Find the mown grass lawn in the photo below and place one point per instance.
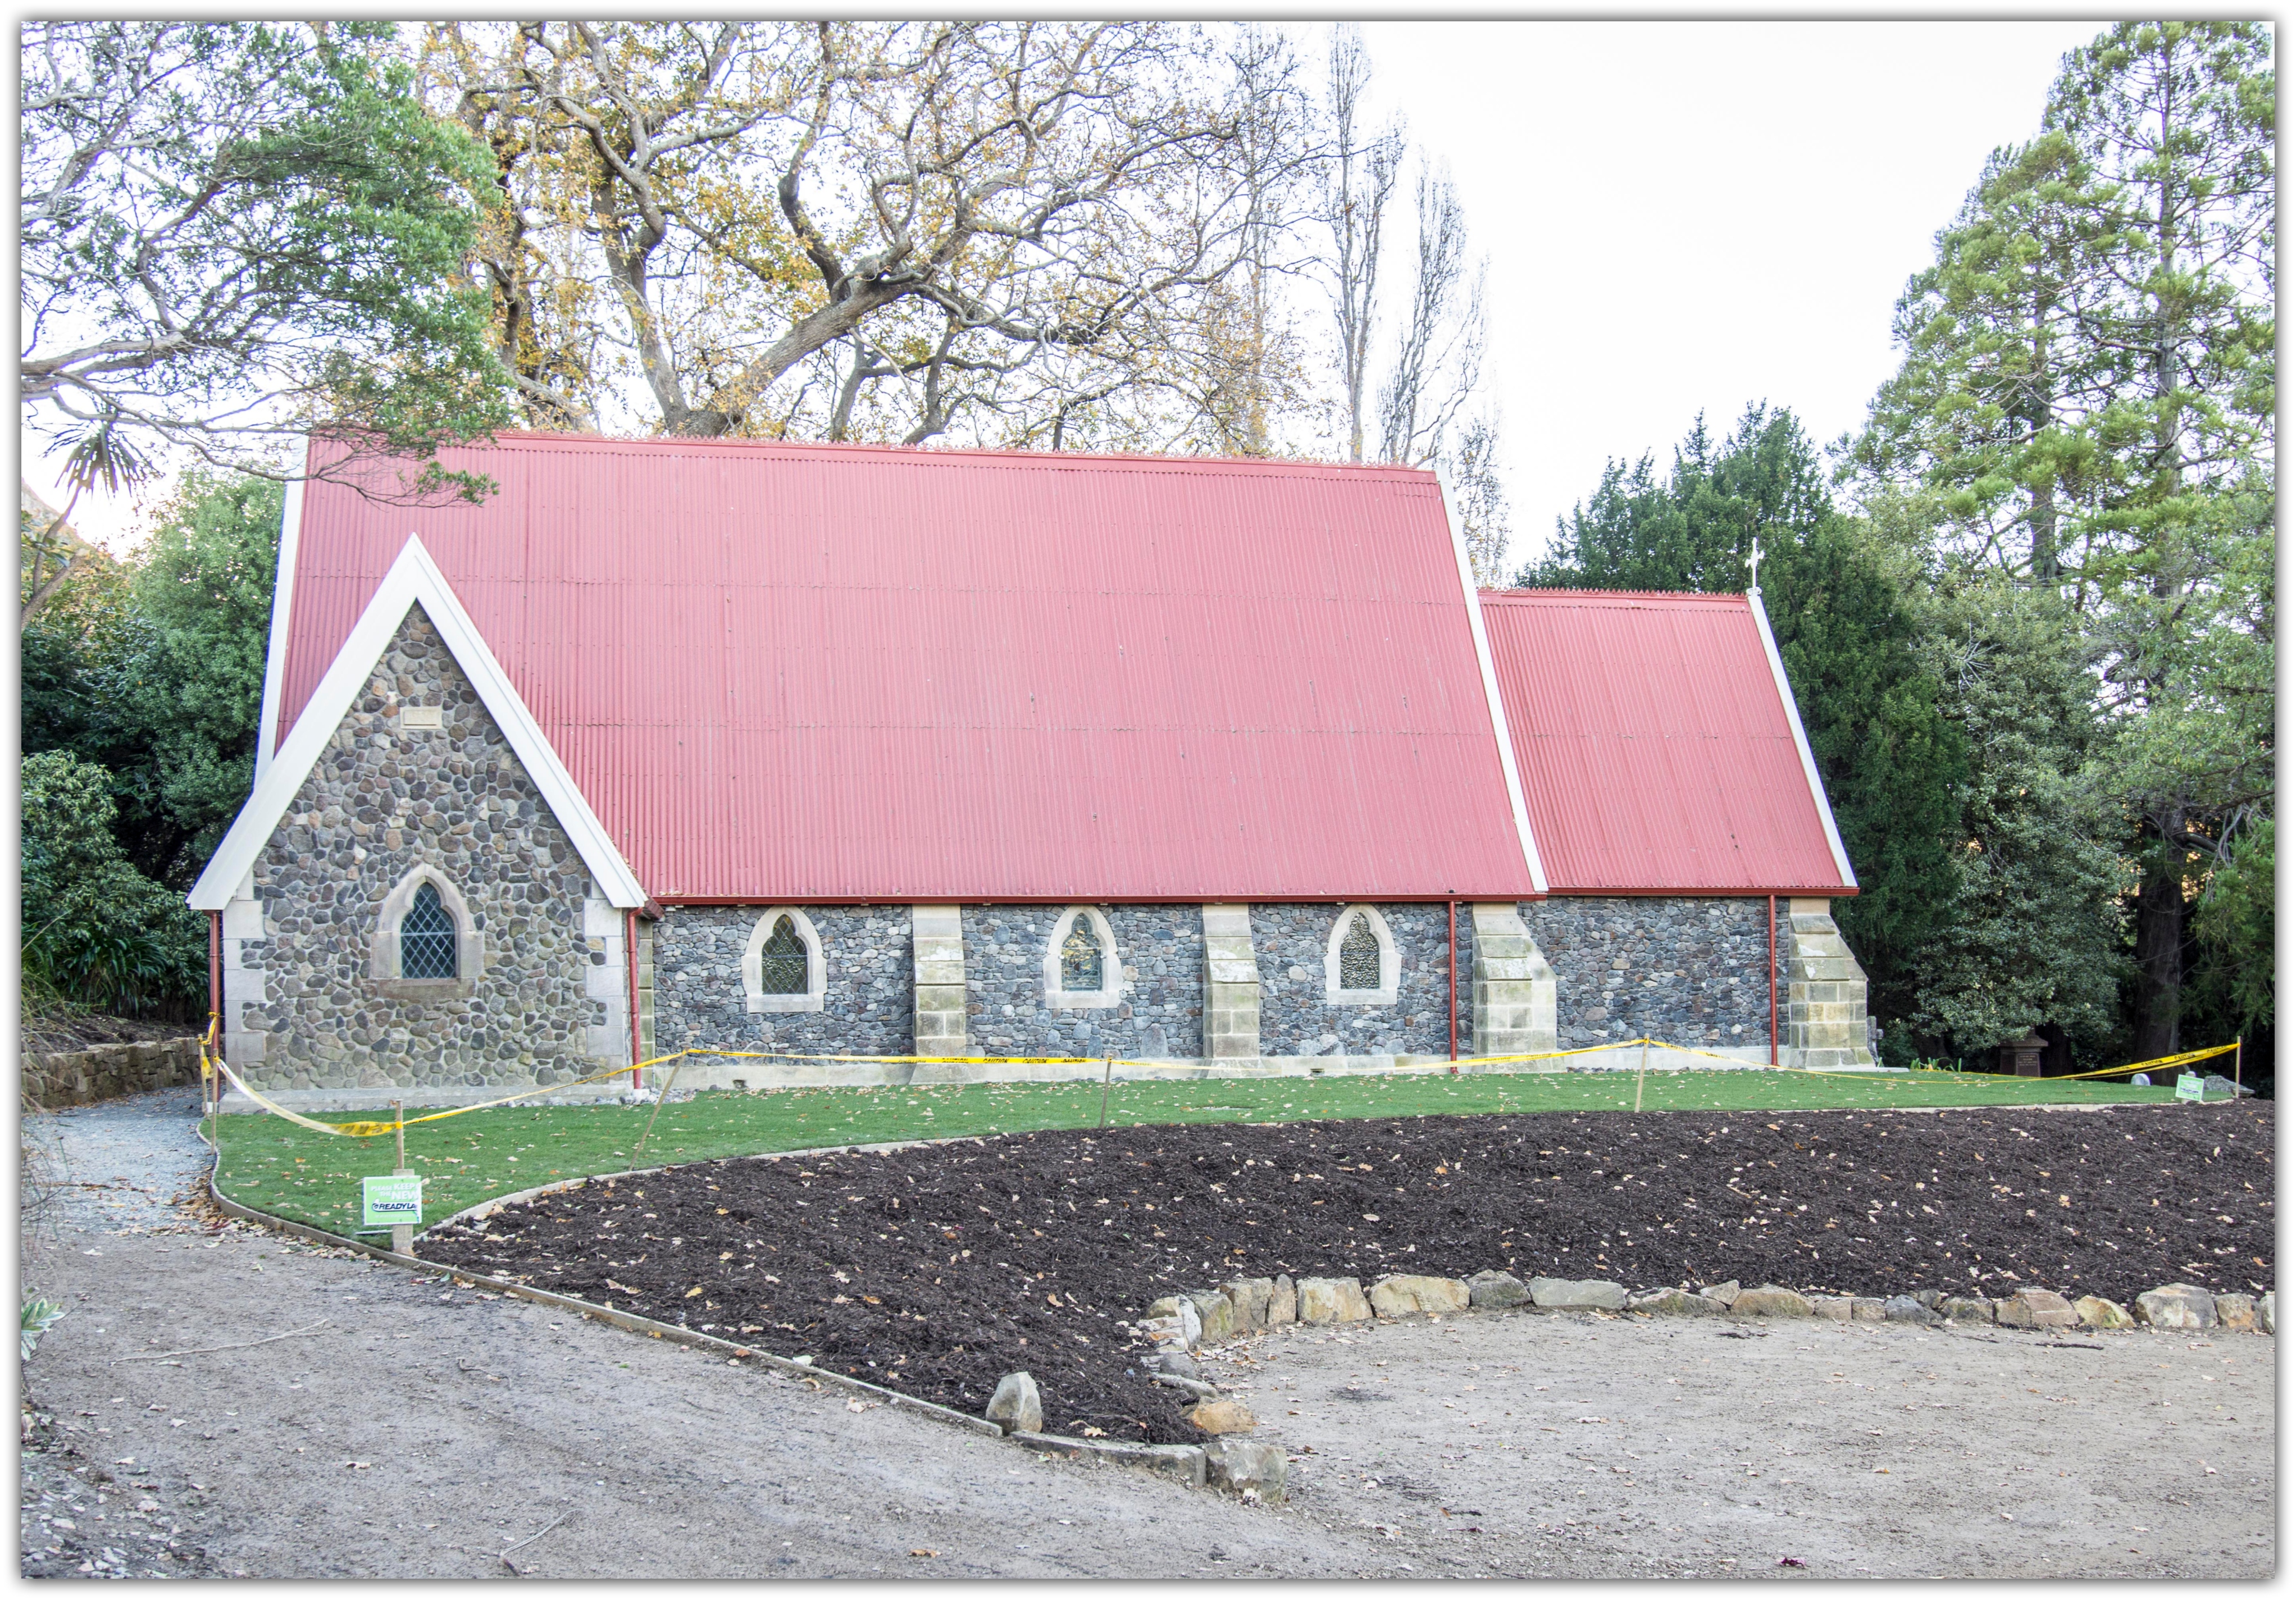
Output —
(293, 1172)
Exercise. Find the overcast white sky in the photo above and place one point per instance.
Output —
(1683, 216)
(1688, 215)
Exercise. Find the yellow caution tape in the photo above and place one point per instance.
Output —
(363, 1130)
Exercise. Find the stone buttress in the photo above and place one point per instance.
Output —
(1821, 1019)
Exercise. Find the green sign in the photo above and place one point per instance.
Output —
(393, 1201)
(2188, 1087)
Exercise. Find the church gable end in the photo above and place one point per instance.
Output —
(419, 783)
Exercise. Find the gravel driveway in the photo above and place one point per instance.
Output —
(407, 1429)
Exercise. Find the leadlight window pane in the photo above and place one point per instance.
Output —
(426, 938)
(780, 964)
(1359, 954)
(1080, 956)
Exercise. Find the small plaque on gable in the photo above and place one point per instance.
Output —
(417, 718)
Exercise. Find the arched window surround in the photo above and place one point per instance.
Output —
(1110, 991)
(384, 969)
(1391, 960)
(755, 1001)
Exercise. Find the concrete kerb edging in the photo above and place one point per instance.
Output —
(1185, 1461)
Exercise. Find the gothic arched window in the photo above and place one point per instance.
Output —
(1359, 956)
(782, 961)
(1080, 961)
(1361, 964)
(426, 938)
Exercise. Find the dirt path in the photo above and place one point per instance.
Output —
(1577, 1447)
(421, 1430)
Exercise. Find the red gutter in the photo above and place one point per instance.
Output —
(1774, 980)
(1453, 950)
(630, 948)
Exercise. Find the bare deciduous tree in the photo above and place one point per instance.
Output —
(1363, 166)
(1439, 360)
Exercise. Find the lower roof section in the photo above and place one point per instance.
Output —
(1659, 746)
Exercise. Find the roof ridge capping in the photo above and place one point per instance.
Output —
(1621, 596)
(670, 444)
(414, 579)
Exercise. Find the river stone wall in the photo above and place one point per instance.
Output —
(1161, 1013)
(1295, 1019)
(379, 801)
(1688, 971)
(698, 998)
(106, 1071)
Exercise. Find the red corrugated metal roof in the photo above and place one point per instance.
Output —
(840, 673)
(1656, 755)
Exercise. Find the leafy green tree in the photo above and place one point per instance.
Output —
(232, 231)
(2179, 117)
(2086, 399)
(2030, 932)
(1985, 414)
(190, 684)
(2235, 926)
(1891, 761)
(94, 929)
(153, 671)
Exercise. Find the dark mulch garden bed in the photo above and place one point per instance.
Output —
(937, 1268)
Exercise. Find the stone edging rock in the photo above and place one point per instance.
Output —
(1182, 1321)
(63, 1078)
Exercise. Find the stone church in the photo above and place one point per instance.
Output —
(815, 751)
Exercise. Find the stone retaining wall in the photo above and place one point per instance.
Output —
(107, 1071)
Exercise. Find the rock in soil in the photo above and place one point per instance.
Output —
(1770, 1300)
(1248, 1467)
(1223, 1416)
(1958, 1308)
(2237, 1313)
(1679, 1302)
(1905, 1307)
(2097, 1312)
(1489, 1291)
(1415, 1295)
(1249, 1296)
(2179, 1306)
(1572, 1294)
(1016, 1406)
(1333, 1300)
(2035, 1309)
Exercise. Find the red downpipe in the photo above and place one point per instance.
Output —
(1774, 980)
(630, 948)
(215, 969)
(1454, 948)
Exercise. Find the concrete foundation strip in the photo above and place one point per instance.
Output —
(1183, 1461)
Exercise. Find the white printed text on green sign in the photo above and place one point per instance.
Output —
(393, 1201)
(2188, 1087)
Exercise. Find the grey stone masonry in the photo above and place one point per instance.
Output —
(1821, 1011)
(1159, 1006)
(1514, 986)
(308, 1009)
(1290, 940)
(698, 998)
(1688, 971)
(1231, 985)
(937, 943)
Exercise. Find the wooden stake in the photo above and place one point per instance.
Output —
(667, 1083)
(1107, 1076)
(2236, 1066)
(402, 1233)
(1639, 1071)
